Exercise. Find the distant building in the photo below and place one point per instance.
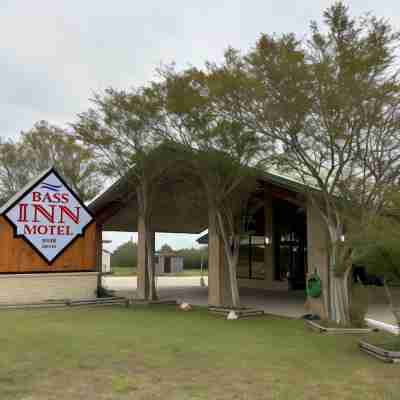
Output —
(168, 263)
(105, 261)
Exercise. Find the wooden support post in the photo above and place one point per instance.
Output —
(218, 278)
(153, 250)
(269, 253)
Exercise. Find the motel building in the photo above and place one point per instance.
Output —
(51, 243)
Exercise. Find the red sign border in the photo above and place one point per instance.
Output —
(21, 236)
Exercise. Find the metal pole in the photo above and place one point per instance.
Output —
(202, 283)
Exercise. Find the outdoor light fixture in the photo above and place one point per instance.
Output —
(342, 238)
(267, 240)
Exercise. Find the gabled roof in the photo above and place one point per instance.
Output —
(116, 207)
(287, 182)
(202, 239)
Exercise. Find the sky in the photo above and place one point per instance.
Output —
(55, 54)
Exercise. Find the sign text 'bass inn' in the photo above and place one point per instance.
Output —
(49, 216)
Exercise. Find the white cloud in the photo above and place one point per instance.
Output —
(54, 54)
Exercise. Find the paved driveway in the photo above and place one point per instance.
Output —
(290, 304)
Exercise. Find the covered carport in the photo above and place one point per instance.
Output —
(180, 207)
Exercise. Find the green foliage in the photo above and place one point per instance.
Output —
(14, 170)
(166, 248)
(358, 305)
(218, 147)
(42, 147)
(120, 128)
(376, 246)
(192, 258)
(125, 255)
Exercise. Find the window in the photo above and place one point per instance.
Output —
(251, 258)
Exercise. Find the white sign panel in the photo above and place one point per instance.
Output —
(49, 216)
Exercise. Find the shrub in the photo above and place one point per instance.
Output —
(358, 305)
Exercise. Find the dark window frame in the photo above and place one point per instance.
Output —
(250, 262)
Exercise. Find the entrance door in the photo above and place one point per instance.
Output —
(290, 244)
(167, 265)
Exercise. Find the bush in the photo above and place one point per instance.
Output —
(358, 305)
(125, 255)
(192, 258)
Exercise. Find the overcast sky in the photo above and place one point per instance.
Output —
(55, 54)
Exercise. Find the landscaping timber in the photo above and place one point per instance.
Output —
(318, 327)
(379, 352)
(242, 312)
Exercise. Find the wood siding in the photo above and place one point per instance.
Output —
(17, 256)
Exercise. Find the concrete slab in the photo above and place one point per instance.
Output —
(289, 304)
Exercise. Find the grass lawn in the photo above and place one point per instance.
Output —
(188, 272)
(386, 341)
(122, 271)
(158, 352)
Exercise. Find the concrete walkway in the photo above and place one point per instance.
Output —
(289, 304)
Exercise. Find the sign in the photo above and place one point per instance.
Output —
(49, 216)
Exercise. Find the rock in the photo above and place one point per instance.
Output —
(185, 306)
(232, 315)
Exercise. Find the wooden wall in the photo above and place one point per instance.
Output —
(17, 256)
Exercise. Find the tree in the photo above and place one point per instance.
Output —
(218, 148)
(192, 257)
(14, 170)
(166, 248)
(331, 106)
(47, 145)
(376, 246)
(121, 130)
(125, 255)
(40, 148)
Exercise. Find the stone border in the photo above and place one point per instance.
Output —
(241, 312)
(337, 331)
(379, 352)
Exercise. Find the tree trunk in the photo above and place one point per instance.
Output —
(150, 291)
(231, 253)
(232, 266)
(150, 265)
(339, 299)
(340, 305)
(394, 305)
(339, 296)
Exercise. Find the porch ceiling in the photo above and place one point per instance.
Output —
(179, 207)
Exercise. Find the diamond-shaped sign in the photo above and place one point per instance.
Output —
(49, 216)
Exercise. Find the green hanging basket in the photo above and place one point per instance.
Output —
(313, 287)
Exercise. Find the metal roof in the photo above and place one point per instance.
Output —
(180, 206)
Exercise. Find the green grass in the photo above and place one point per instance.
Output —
(123, 271)
(188, 272)
(158, 352)
(386, 341)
